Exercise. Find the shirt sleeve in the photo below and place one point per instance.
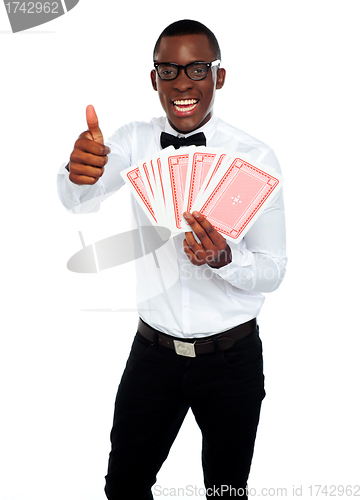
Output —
(88, 198)
(259, 260)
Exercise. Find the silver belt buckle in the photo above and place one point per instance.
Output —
(185, 348)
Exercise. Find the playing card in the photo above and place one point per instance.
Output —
(148, 175)
(216, 172)
(174, 173)
(230, 191)
(217, 169)
(236, 196)
(159, 189)
(201, 160)
(133, 178)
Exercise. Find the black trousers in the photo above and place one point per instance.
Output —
(224, 390)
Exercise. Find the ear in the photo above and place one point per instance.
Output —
(153, 79)
(220, 78)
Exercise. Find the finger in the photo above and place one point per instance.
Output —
(93, 126)
(198, 229)
(82, 179)
(193, 257)
(216, 238)
(200, 255)
(86, 143)
(193, 244)
(86, 170)
(82, 157)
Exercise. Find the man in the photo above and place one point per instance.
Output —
(214, 301)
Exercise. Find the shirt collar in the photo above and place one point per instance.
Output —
(208, 129)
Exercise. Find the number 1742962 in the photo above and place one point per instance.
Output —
(32, 7)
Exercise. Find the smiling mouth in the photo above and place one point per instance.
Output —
(185, 105)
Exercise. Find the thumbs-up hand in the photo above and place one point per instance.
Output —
(89, 155)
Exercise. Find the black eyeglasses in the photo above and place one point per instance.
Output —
(194, 70)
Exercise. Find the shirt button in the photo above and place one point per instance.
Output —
(186, 304)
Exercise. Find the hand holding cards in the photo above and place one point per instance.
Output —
(224, 187)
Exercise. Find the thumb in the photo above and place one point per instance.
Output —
(93, 127)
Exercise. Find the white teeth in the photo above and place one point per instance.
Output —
(184, 102)
(185, 105)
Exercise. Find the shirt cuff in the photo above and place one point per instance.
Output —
(76, 198)
(240, 271)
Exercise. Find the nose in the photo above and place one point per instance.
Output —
(182, 82)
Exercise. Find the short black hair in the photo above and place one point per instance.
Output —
(188, 27)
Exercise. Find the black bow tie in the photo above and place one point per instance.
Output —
(198, 139)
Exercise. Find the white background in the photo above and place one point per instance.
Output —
(294, 82)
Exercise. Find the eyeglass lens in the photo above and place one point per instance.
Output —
(195, 71)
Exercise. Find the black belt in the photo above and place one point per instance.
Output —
(191, 347)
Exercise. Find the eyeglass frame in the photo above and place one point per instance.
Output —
(180, 66)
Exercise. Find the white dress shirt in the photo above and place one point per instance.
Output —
(173, 295)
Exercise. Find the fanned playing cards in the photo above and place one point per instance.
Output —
(229, 190)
